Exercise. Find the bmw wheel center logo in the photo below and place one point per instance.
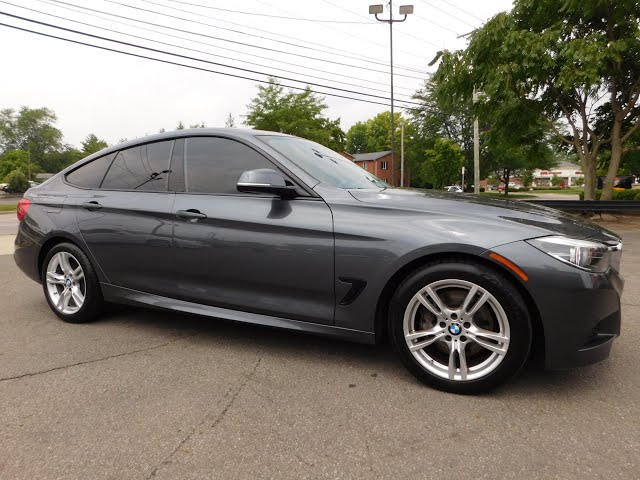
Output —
(455, 329)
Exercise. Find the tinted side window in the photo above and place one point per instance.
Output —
(140, 168)
(214, 165)
(91, 174)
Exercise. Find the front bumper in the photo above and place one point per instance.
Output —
(579, 311)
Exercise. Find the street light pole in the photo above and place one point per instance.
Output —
(476, 149)
(402, 154)
(404, 11)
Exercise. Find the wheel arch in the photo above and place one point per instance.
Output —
(384, 300)
(52, 241)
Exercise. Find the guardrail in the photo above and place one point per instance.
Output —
(590, 205)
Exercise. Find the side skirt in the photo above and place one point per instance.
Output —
(115, 294)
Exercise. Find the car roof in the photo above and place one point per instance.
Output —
(245, 133)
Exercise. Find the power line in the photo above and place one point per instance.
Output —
(462, 10)
(196, 50)
(186, 57)
(377, 62)
(229, 40)
(398, 31)
(226, 49)
(346, 33)
(193, 67)
(448, 13)
(338, 52)
(269, 15)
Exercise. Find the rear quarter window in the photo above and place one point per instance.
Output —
(90, 175)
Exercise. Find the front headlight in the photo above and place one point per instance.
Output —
(585, 254)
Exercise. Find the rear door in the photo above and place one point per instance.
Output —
(249, 252)
(127, 223)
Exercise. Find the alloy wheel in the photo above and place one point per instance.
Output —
(66, 284)
(456, 330)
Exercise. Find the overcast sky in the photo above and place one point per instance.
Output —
(117, 96)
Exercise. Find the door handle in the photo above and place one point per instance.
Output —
(91, 206)
(191, 214)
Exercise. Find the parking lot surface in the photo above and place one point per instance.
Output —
(143, 394)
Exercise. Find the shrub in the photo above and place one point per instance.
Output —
(17, 181)
(618, 195)
(482, 189)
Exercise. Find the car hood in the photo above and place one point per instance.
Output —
(504, 220)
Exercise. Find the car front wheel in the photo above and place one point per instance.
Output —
(460, 326)
(70, 284)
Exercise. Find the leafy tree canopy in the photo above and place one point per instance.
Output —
(564, 59)
(295, 113)
(93, 144)
(444, 163)
(30, 129)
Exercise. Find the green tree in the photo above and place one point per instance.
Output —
(299, 114)
(30, 129)
(180, 125)
(566, 59)
(579, 181)
(527, 178)
(230, 122)
(17, 181)
(17, 160)
(56, 161)
(93, 144)
(444, 163)
(357, 141)
(556, 181)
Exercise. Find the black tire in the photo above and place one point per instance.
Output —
(93, 304)
(493, 282)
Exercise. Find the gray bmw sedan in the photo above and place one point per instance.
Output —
(274, 230)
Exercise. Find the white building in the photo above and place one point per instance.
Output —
(565, 170)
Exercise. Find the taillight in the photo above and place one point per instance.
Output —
(23, 206)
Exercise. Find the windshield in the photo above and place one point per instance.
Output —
(323, 164)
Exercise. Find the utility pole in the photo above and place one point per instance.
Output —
(402, 154)
(476, 149)
(404, 10)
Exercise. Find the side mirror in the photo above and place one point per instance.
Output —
(265, 180)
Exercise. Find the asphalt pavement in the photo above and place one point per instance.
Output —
(142, 394)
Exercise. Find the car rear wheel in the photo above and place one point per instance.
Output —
(460, 326)
(70, 284)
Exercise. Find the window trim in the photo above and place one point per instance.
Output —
(384, 165)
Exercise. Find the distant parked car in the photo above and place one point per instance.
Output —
(453, 189)
(33, 184)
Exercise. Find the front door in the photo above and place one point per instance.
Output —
(255, 253)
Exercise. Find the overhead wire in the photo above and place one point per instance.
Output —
(193, 67)
(268, 15)
(194, 50)
(375, 61)
(346, 33)
(448, 13)
(462, 10)
(261, 47)
(186, 57)
(397, 31)
(340, 52)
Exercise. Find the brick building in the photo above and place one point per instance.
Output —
(379, 164)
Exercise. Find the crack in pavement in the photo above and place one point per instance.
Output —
(215, 423)
(85, 362)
